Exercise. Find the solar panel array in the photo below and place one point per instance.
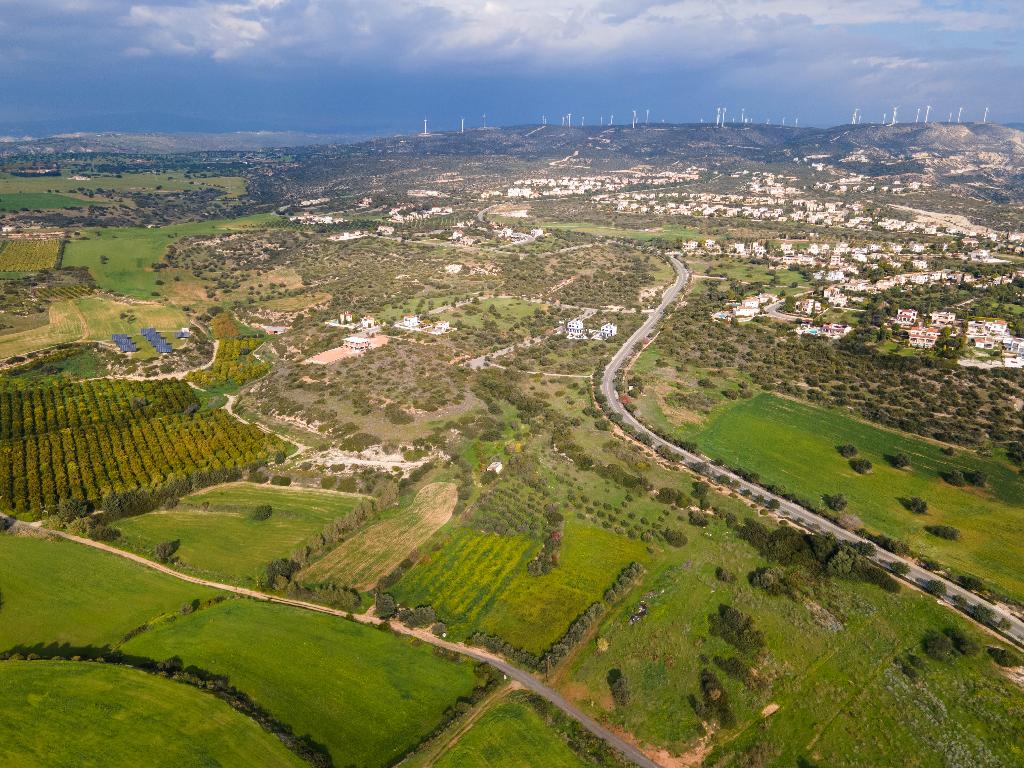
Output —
(159, 342)
(124, 342)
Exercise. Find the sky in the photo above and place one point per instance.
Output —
(382, 66)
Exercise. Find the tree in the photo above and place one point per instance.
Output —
(900, 460)
(917, 505)
(963, 643)
(165, 550)
(947, 532)
(860, 466)
(619, 687)
(937, 645)
(1005, 657)
(262, 512)
(847, 450)
(71, 509)
(935, 587)
(836, 502)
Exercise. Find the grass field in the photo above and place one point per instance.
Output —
(367, 695)
(378, 549)
(28, 255)
(92, 318)
(32, 201)
(130, 253)
(478, 581)
(666, 232)
(829, 668)
(233, 186)
(219, 538)
(794, 446)
(510, 734)
(64, 593)
(91, 715)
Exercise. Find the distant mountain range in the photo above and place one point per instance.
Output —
(982, 160)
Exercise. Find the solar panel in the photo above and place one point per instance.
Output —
(124, 343)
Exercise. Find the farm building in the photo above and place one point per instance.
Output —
(357, 343)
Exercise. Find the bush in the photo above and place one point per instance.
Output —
(846, 450)
(899, 568)
(900, 460)
(917, 505)
(836, 502)
(262, 512)
(698, 519)
(280, 480)
(976, 477)
(165, 550)
(947, 532)
(964, 645)
(675, 537)
(725, 576)
(619, 687)
(860, 466)
(1004, 657)
(955, 477)
(937, 645)
(935, 587)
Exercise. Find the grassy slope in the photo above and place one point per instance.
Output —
(131, 252)
(15, 201)
(509, 735)
(222, 540)
(843, 703)
(378, 549)
(793, 445)
(234, 186)
(63, 713)
(60, 592)
(367, 695)
(478, 581)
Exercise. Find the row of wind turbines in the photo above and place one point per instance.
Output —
(893, 118)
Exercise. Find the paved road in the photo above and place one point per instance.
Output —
(916, 575)
(629, 751)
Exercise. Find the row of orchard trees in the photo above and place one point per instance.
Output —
(36, 407)
(38, 471)
(233, 363)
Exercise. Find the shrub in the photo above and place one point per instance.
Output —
(955, 477)
(947, 532)
(846, 450)
(619, 687)
(280, 480)
(917, 505)
(675, 537)
(165, 550)
(1004, 657)
(900, 460)
(262, 512)
(899, 568)
(836, 502)
(698, 519)
(723, 575)
(937, 645)
(976, 477)
(860, 466)
(964, 645)
(935, 587)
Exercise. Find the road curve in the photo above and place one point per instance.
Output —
(627, 750)
(916, 574)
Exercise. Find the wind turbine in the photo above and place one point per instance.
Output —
(543, 119)
(723, 115)
(797, 122)
(959, 114)
(917, 117)
(462, 125)
(611, 119)
(634, 118)
(570, 119)
(985, 118)
(647, 118)
(718, 115)
(894, 110)
(485, 120)
(927, 111)
(853, 117)
(425, 133)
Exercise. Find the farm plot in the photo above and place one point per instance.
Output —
(368, 696)
(67, 713)
(32, 201)
(28, 255)
(60, 594)
(799, 453)
(219, 535)
(510, 735)
(378, 549)
(479, 582)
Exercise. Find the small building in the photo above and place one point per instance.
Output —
(345, 317)
(357, 343)
(574, 329)
(496, 467)
(608, 330)
(441, 326)
(411, 321)
(906, 317)
(183, 333)
(367, 323)
(274, 330)
(943, 319)
(924, 337)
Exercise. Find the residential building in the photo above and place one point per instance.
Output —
(906, 316)
(924, 337)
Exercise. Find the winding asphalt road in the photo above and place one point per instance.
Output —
(805, 517)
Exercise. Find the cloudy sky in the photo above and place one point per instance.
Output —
(384, 65)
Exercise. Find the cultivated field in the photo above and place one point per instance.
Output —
(219, 537)
(368, 696)
(796, 449)
(478, 581)
(378, 549)
(28, 255)
(32, 201)
(233, 186)
(61, 593)
(83, 714)
(510, 734)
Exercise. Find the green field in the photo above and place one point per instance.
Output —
(91, 715)
(829, 667)
(28, 255)
(510, 735)
(218, 537)
(57, 592)
(664, 232)
(233, 186)
(378, 549)
(131, 251)
(794, 446)
(478, 581)
(367, 695)
(92, 318)
(16, 201)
